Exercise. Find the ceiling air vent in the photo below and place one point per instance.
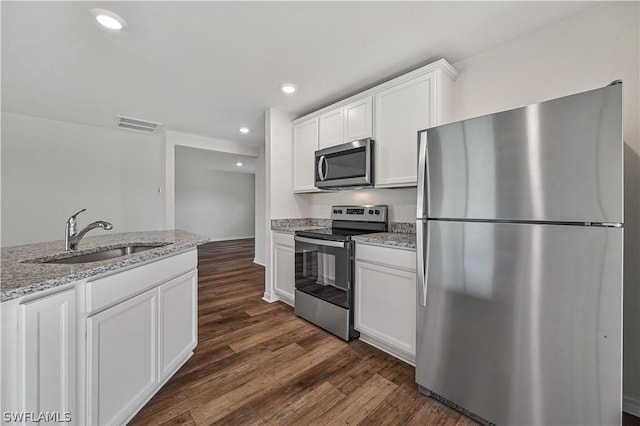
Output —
(137, 124)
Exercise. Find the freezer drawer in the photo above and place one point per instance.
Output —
(559, 161)
(523, 322)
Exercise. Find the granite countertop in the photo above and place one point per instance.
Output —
(289, 226)
(402, 235)
(389, 239)
(20, 276)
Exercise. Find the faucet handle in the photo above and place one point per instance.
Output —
(71, 222)
(73, 216)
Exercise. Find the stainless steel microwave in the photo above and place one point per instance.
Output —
(349, 165)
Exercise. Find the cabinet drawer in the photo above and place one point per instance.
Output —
(282, 239)
(386, 256)
(120, 286)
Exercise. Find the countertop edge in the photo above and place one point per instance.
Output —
(117, 265)
(386, 245)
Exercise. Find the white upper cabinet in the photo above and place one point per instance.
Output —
(331, 128)
(401, 111)
(403, 107)
(347, 123)
(391, 113)
(357, 120)
(305, 143)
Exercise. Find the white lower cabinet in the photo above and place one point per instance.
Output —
(47, 356)
(385, 299)
(122, 365)
(95, 351)
(283, 266)
(178, 322)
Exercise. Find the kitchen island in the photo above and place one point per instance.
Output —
(92, 342)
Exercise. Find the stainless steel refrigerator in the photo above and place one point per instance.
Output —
(519, 254)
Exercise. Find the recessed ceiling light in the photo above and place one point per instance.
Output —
(244, 130)
(108, 19)
(238, 164)
(288, 88)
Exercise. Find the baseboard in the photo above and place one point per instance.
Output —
(270, 297)
(283, 297)
(259, 262)
(384, 347)
(631, 406)
(231, 238)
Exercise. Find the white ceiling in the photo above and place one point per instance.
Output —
(211, 67)
(189, 158)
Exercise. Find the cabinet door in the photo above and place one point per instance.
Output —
(357, 120)
(305, 143)
(331, 128)
(48, 355)
(283, 267)
(178, 322)
(385, 307)
(401, 111)
(122, 358)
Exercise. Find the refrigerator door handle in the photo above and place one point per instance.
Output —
(422, 260)
(423, 171)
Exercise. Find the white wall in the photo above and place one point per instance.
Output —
(401, 202)
(51, 169)
(582, 53)
(280, 201)
(260, 188)
(216, 204)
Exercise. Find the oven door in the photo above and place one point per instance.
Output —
(323, 269)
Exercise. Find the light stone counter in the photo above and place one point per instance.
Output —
(290, 226)
(20, 276)
(388, 239)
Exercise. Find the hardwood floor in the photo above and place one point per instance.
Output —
(257, 363)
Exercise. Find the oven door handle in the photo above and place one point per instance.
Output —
(318, 242)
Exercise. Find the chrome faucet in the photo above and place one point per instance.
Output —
(72, 238)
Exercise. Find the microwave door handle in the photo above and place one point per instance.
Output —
(322, 163)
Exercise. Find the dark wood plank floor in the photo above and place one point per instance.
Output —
(257, 363)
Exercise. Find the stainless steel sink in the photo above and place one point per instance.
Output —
(102, 255)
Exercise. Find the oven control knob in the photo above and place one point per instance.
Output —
(335, 211)
(339, 211)
(370, 211)
(377, 211)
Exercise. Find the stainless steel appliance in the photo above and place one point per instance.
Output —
(519, 250)
(344, 166)
(324, 267)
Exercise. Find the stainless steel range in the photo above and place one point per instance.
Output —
(324, 267)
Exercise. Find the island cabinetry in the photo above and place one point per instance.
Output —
(385, 299)
(122, 363)
(178, 322)
(141, 327)
(305, 143)
(283, 266)
(47, 355)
